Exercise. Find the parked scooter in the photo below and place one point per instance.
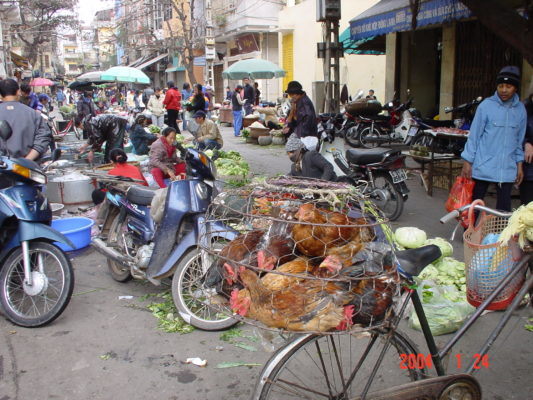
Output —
(136, 246)
(36, 277)
(377, 172)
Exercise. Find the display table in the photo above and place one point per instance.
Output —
(439, 164)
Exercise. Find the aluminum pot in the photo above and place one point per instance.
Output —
(70, 191)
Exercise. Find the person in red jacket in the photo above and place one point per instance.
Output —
(172, 103)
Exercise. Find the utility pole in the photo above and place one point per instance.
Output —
(329, 13)
(209, 45)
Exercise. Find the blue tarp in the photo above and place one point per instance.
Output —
(389, 16)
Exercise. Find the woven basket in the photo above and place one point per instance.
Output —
(488, 264)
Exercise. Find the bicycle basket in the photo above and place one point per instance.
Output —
(306, 256)
(488, 261)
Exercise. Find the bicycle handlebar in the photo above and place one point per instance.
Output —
(456, 213)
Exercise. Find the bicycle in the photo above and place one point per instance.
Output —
(326, 366)
(69, 128)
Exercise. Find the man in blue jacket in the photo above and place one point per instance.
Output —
(494, 151)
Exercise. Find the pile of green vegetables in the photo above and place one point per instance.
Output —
(230, 164)
(441, 285)
(154, 129)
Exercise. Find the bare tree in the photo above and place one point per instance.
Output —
(40, 21)
(189, 33)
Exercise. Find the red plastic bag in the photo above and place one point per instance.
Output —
(460, 195)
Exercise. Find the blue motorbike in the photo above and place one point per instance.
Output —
(137, 246)
(36, 277)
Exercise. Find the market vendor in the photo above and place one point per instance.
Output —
(308, 163)
(271, 116)
(105, 128)
(208, 136)
(302, 117)
(164, 162)
(140, 139)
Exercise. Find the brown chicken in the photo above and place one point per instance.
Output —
(239, 250)
(307, 306)
(313, 239)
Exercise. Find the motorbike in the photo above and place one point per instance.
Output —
(36, 276)
(425, 141)
(377, 172)
(137, 246)
(397, 127)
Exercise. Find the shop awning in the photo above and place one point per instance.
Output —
(372, 45)
(152, 61)
(176, 67)
(19, 61)
(389, 16)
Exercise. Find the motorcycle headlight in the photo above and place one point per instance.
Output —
(29, 173)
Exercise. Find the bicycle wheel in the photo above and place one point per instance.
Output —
(335, 366)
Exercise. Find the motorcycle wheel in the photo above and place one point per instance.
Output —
(118, 272)
(369, 137)
(191, 298)
(392, 203)
(47, 298)
(351, 136)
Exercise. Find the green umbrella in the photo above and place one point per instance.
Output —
(125, 75)
(254, 68)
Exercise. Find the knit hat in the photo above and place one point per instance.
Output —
(294, 87)
(509, 74)
(294, 143)
(199, 114)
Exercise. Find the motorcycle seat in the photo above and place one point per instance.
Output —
(141, 195)
(368, 156)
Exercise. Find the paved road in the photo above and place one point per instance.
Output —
(106, 348)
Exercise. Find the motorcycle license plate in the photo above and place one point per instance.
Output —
(413, 130)
(398, 175)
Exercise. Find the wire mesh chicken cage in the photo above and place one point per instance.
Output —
(305, 256)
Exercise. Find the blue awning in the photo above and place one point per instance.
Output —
(176, 67)
(389, 16)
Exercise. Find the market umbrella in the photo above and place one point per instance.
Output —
(254, 68)
(41, 82)
(93, 76)
(125, 75)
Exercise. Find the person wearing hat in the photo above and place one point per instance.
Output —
(236, 106)
(308, 163)
(494, 150)
(302, 117)
(208, 135)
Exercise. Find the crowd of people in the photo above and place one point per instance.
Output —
(499, 148)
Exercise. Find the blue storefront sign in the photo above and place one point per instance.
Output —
(398, 19)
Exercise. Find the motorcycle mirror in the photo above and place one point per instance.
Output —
(5, 130)
(359, 94)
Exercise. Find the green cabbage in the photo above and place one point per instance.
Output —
(445, 247)
(410, 237)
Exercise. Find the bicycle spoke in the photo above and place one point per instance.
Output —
(338, 361)
(323, 367)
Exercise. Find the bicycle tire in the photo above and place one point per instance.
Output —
(293, 361)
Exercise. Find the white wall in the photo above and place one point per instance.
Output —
(357, 71)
